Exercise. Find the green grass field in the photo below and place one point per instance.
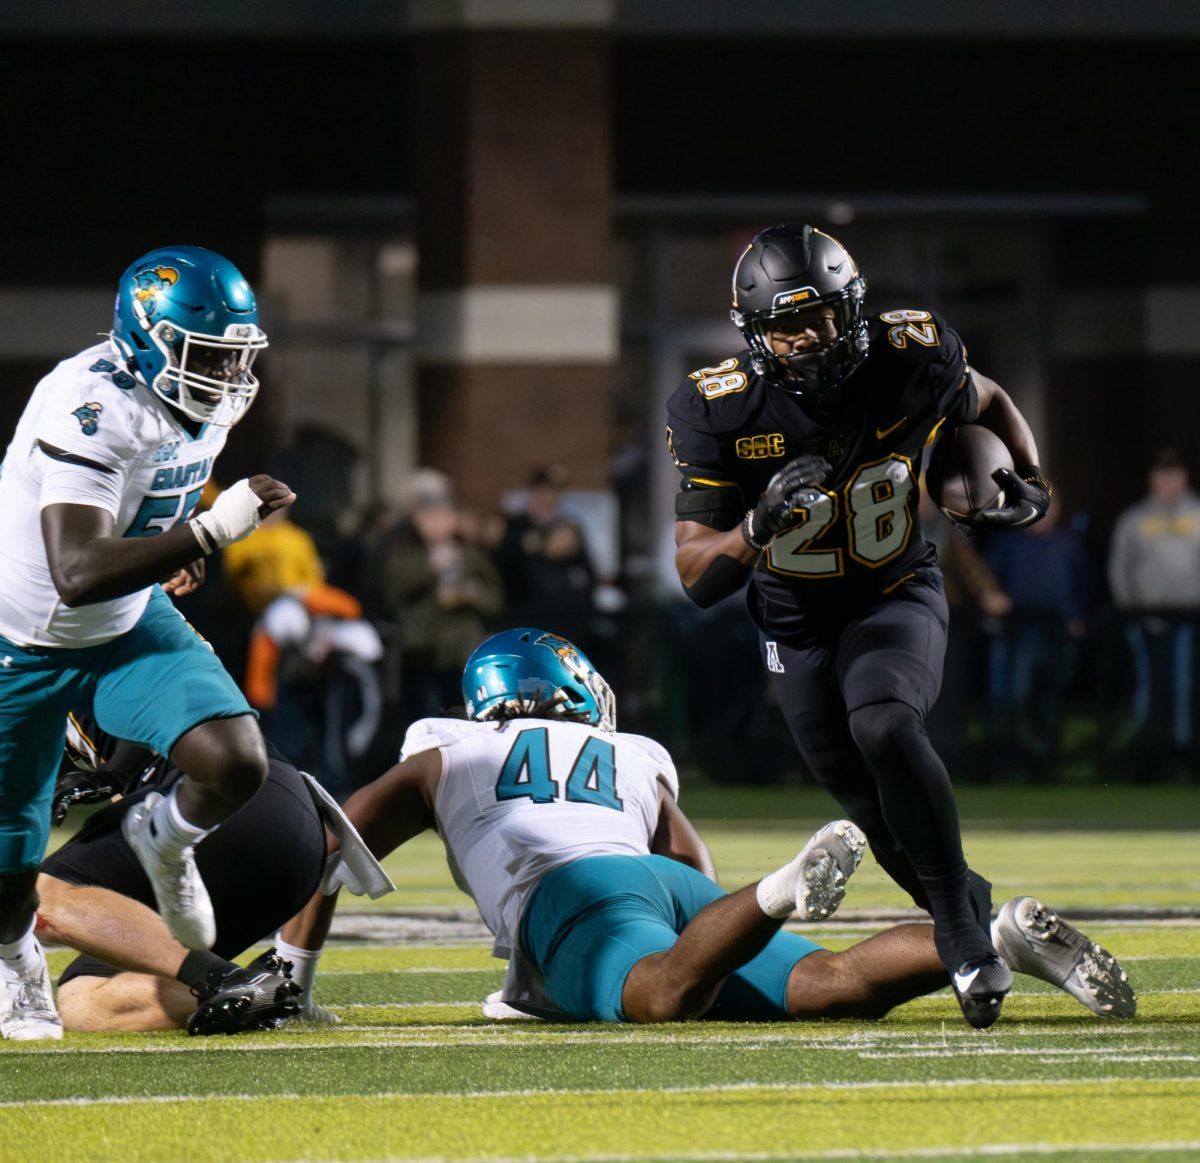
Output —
(415, 1073)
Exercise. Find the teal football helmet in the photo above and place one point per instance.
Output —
(187, 323)
(529, 672)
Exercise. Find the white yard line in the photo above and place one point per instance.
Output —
(509, 1034)
(606, 1092)
(987, 1151)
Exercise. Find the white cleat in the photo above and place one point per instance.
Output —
(1033, 939)
(27, 1012)
(826, 864)
(182, 898)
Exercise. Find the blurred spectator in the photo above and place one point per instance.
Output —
(1154, 575)
(280, 558)
(482, 527)
(438, 590)
(322, 466)
(1049, 582)
(312, 674)
(548, 575)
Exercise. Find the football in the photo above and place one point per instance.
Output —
(959, 476)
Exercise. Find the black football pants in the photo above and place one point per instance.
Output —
(855, 688)
(260, 867)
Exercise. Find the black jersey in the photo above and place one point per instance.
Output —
(729, 432)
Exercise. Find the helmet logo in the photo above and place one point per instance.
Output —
(88, 416)
(791, 298)
(151, 283)
(564, 651)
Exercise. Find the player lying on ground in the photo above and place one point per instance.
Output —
(599, 891)
(260, 867)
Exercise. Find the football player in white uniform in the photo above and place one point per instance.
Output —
(97, 496)
(599, 892)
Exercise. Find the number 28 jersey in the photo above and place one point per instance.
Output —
(729, 432)
(521, 798)
(91, 434)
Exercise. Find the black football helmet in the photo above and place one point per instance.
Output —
(790, 268)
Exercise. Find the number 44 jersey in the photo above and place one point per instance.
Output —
(729, 432)
(93, 435)
(520, 798)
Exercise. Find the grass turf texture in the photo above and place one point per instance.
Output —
(414, 1072)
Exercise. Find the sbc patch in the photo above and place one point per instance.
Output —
(88, 416)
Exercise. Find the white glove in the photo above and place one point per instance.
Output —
(311, 1012)
(234, 515)
(498, 1010)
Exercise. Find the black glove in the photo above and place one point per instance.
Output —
(1028, 497)
(776, 508)
(79, 787)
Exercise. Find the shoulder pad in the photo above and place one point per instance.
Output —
(727, 378)
(430, 734)
(915, 331)
(659, 756)
(85, 413)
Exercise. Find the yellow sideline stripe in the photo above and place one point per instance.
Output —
(634, 1125)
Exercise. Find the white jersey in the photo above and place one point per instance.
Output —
(91, 435)
(520, 798)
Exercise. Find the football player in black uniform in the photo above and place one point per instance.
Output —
(800, 459)
(261, 865)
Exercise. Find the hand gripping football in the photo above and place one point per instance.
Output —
(959, 475)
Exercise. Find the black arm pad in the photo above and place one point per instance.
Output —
(725, 575)
(718, 508)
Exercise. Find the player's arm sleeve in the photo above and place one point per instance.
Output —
(664, 765)
(431, 735)
(708, 494)
(77, 468)
(951, 378)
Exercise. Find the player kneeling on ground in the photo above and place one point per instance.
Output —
(600, 892)
(262, 865)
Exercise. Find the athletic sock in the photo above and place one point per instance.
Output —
(957, 934)
(776, 892)
(919, 810)
(304, 963)
(200, 969)
(171, 832)
(22, 957)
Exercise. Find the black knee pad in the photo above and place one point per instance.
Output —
(881, 727)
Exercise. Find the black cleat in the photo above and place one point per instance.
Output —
(260, 997)
(980, 987)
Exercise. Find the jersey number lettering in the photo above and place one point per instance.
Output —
(592, 779)
(911, 325)
(877, 511)
(158, 514)
(721, 380)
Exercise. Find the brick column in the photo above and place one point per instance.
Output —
(517, 311)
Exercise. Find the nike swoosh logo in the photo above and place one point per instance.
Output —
(880, 433)
(962, 982)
